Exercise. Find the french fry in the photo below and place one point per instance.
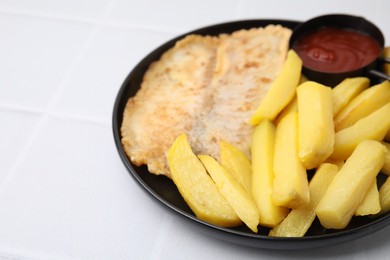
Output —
(348, 89)
(299, 220)
(236, 162)
(370, 204)
(290, 187)
(239, 199)
(373, 127)
(292, 107)
(350, 185)
(197, 188)
(384, 196)
(262, 150)
(386, 165)
(315, 124)
(337, 163)
(299, 125)
(282, 90)
(364, 104)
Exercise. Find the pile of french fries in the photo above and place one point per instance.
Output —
(340, 133)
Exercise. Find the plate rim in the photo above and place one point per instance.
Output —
(227, 234)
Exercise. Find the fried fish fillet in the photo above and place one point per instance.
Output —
(168, 103)
(207, 87)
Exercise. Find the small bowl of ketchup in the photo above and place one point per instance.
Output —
(336, 46)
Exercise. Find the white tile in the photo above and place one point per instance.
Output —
(202, 245)
(75, 200)
(68, 196)
(35, 55)
(182, 234)
(178, 16)
(281, 9)
(15, 131)
(74, 8)
(109, 59)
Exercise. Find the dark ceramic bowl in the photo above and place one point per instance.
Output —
(349, 22)
(163, 191)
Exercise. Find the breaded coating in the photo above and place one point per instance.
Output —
(207, 87)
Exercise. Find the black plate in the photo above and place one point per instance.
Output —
(165, 192)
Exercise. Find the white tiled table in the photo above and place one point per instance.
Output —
(64, 193)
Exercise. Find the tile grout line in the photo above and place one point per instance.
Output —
(10, 254)
(59, 91)
(109, 9)
(72, 68)
(89, 21)
(45, 113)
(124, 25)
(89, 119)
(23, 152)
(162, 236)
(34, 111)
(24, 13)
(21, 109)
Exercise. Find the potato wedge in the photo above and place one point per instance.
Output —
(384, 196)
(292, 107)
(386, 165)
(348, 89)
(282, 90)
(350, 185)
(315, 124)
(235, 194)
(337, 163)
(373, 127)
(299, 220)
(364, 104)
(370, 204)
(197, 188)
(236, 162)
(291, 188)
(262, 150)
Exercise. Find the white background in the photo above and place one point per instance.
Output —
(64, 193)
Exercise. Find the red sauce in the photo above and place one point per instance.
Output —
(336, 50)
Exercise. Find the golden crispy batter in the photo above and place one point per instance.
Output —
(207, 87)
(247, 63)
(169, 100)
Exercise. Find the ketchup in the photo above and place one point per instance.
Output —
(336, 50)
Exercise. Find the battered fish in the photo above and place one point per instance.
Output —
(169, 101)
(207, 87)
